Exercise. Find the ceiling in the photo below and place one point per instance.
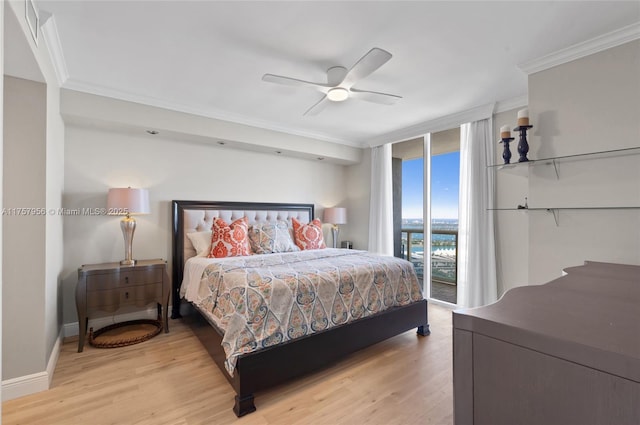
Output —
(208, 57)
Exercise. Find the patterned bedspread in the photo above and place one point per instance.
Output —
(263, 300)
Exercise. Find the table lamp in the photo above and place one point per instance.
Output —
(335, 216)
(127, 202)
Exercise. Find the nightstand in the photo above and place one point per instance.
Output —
(110, 286)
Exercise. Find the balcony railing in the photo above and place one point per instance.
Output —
(444, 265)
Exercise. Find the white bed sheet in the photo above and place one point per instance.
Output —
(193, 269)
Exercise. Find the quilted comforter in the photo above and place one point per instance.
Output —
(263, 300)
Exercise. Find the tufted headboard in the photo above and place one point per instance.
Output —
(197, 216)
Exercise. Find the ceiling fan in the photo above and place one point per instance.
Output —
(340, 82)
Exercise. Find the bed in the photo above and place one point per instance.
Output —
(284, 354)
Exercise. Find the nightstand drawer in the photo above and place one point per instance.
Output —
(112, 299)
(98, 282)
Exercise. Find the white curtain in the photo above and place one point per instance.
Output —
(381, 206)
(477, 283)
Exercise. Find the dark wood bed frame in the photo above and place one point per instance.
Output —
(274, 365)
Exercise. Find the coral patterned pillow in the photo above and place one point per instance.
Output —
(308, 236)
(229, 240)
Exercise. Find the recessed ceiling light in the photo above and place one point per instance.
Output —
(221, 143)
(279, 152)
(152, 132)
(337, 94)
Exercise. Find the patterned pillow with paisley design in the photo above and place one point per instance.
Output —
(229, 240)
(268, 238)
(308, 236)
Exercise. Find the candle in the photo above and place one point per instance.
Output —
(505, 132)
(523, 117)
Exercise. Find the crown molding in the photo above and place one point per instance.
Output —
(580, 50)
(510, 104)
(54, 47)
(439, 124)
(99, 90)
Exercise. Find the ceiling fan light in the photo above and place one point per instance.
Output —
(338, 94)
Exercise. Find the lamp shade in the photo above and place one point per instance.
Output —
(125, 200)
(335, 215)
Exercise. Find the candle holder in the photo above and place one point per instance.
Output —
(506, 154)
(523, 146)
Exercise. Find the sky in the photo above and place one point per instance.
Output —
(445, 183)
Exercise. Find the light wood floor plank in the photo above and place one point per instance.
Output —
(171, 380)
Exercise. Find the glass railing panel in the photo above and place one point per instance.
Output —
(444, 257)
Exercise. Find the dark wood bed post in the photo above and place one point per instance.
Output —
(177, 258)
(424, 330)
(244, 405)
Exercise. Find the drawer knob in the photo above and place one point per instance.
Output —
(126, 279)
(126, 295)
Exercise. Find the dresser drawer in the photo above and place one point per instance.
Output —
(112, 299)
(99, 282)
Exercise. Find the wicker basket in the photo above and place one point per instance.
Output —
(125, 333)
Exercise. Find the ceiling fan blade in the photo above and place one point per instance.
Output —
(373, 60)
(375, 97)
(317, 107)
(279, 79)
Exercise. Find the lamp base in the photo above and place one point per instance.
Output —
(335, 232)
(128, 226)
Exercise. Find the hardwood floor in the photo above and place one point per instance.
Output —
(171, 380)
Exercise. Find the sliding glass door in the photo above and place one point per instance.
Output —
(429, 191)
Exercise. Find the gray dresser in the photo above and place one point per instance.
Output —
(566, 352)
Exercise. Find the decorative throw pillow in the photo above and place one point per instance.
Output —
(229, 240)
(308, 236)
(267, 238)
(201, 242)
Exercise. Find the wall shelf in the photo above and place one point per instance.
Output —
(522, 167)
(556, 210)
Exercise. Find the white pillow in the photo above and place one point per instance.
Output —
(201, 242)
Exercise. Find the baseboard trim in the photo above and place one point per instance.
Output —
(24, 385)
(36, 382)
(53, 358)
(30, 384)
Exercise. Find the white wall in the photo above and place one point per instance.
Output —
(83, 108)
(97, 159)
(587, 105)
(1, 172)
(591, 104)
(24, 234)
(54, 222)
(358, 186)
(30, 368)
(512, 227)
